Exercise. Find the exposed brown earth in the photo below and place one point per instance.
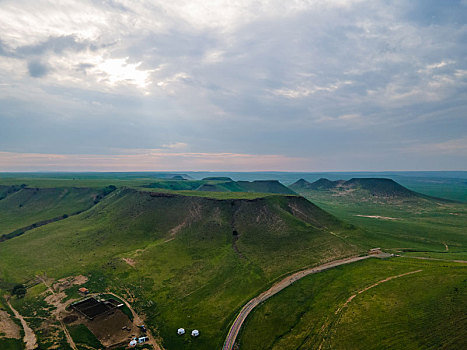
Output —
(8, 327)
(68, 282)
(112, 329)
(129, 261)
(30, 339)
(377, 217)
(137, 320)
(55, 299)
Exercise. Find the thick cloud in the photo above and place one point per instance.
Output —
(337, 84)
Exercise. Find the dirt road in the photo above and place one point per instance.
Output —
(137, 320)
(276, 288)
(436, 259)
(55, 300)
(29, 337)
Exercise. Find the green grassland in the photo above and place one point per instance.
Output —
(195, 260)
(31, 205)
(191, 253)
(422, 310)
(11, 344)
(407, 222)
(84, 338)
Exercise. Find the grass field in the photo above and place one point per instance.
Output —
(30, 205)
(189, 261)
(412, 224)
(84, 338)
(425, 309)
(11, 344)
(192, 258)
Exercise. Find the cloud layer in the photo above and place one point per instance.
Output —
(332, 85)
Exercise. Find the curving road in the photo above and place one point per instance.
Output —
(276, 288)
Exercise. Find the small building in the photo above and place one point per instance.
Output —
(375, 251)
(181, 331)
(133, 343)
(143, 339)
(195, 332)
(83, 290)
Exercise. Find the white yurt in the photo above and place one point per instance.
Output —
(195, 333)
(181, 331)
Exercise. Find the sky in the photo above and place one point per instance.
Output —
(233, 85)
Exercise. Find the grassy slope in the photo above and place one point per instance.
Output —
(401, 313)
(188, 272)
(421, 224)
(31, 205)
(11, 344)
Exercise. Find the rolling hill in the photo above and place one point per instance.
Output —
(23, 206)
(364, 187)
(184, 260)
(392, 215)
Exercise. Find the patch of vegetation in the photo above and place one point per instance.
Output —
(19, 291)
(11, 344)
(83, 336)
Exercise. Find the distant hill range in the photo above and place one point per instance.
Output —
(377, 187)
(223, 184)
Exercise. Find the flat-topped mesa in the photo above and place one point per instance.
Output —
(324, 184)
(380, 187)
(217, 178)
(264, 186)
(222, 184)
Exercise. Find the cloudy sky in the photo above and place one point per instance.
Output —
(296, 85)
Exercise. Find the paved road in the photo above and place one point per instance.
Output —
(276, 288)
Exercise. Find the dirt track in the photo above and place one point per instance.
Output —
(29, 337)
(8, 327)
(426, 258)
(55, 300)
(372, 286)
(137, 320)
(276, 288)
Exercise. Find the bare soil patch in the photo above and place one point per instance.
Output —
(68, 282)
(129, 261)
(8, 327)
(378, 217)
(70, 319)
(29, 337)
(113, 329)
